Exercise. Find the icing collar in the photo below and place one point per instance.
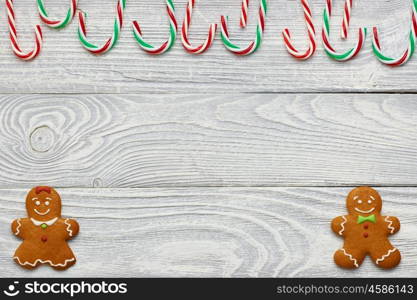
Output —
(39, 223)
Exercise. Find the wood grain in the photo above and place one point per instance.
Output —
(216, 232)
(65, 67)
(201, 140)
(212, 165)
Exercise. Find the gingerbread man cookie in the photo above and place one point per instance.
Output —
(44, 232)
(366, 232)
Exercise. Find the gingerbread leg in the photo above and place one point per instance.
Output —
(25, 257)
(386, 257)
(64, 267)
(63, 258)
(25, 264)
(349, 258)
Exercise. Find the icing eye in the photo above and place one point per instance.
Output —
(38, 203)
(47, 203)
(369, 201)
(360, 201)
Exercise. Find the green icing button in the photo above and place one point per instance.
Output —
(44, 226)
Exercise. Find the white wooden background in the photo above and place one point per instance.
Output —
(210, 165)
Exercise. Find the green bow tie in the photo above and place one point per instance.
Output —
(370, 218)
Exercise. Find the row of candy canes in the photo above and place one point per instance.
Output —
(225, 36)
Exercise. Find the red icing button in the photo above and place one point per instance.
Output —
(366, 226)
(365, 235)
(44, 238)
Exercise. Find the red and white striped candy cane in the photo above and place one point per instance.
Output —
(346, 18)
(244, 13)
(185, 28)
(311, 35)
(13, 36)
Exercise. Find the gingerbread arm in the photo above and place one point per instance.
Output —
(392, 224)
(338, 225)
(72, 228)
(17, 228)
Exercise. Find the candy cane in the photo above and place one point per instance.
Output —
(13, 36)
(186, 26)
(244, 14)
(55, 23)
(346, 18)
(111, 42)
(408, 53)
(311, 36)
(254, 45)
(331, 52)
(172, 36)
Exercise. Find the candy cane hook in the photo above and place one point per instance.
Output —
(254, 45)
(55, 23)
(13, 36)
(185, 28)
(311, 35)
(408, 53)
(173, 28)
(111, 42)
(331, 52)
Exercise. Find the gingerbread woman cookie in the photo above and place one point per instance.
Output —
(366, 232)
(44, 232)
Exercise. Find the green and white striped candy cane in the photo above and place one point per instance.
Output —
(173, 29)
(254, 45)
(408, 53)
(111, 42)
(56, 23)
(331, 52)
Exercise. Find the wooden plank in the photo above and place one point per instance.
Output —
(210, 232)
(198, 140)
(65, 67)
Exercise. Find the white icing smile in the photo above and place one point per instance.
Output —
(365, 211)
(42, 214)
